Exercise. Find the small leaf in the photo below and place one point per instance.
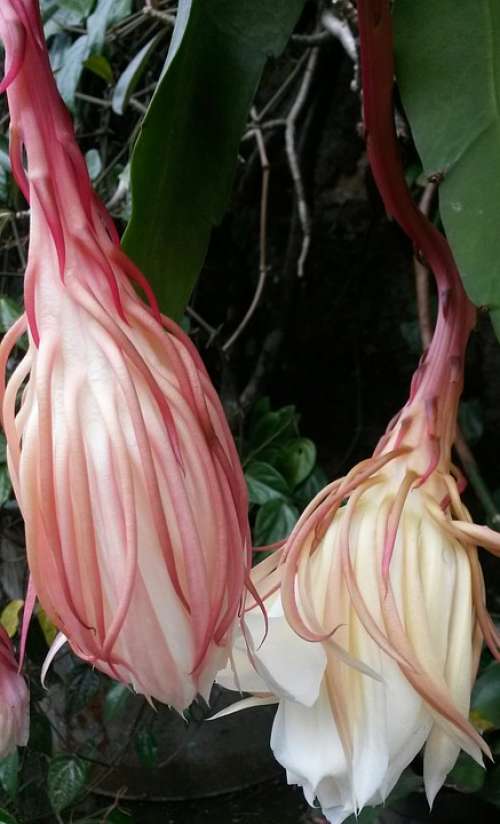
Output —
(119, 817)
(273, 427)
(82, 685)
(5, 485)
(99, 66)
(485, 701)
(7, 818)
(9, 773)
(309, 488)
(146, 748)
(10, 311)
(297, 460)
(491, 789)
(66, 780)
(466, 776)
(94, 163)
(116, 699)
(48, 628)
(274, 522)
(264, 483)
(129, 79)
(9, 618)
(3, 449)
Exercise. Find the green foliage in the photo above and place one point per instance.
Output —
(184, 160)
(146, 748)
(9, 772)
(466, 776)
(449, 76)
(280, 471)
(485, 702)
(82, 685)
(129, 79)
(7, 818)
(116, 700)
(67, 778)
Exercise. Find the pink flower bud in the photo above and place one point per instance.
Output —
(120, 456)
(14, 700)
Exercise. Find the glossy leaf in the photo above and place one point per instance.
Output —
(7, 818)
(9, 773)
(296, 460)
(310, 487)
(83, 684)
(271, 428)
(48, 628)
(265, 483)
(485, 701)
(116, 700)
(466, 776)
(10, 616)
(146, 748)
(184, 160)
(274, 522)
(66, 780)
(82, 7)
(94, 163)
(449, 77)
(5, 485)
(98, 64)
(128, 81)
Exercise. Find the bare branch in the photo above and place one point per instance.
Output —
(264, 162)
(290, 142)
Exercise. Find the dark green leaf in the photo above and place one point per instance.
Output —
(66, 780)
(82, 686)
(119, 817)
(9, 312)
(449, 76)
(485, 701)
(3, 448)
(272, 428)
(310, 487)
(466, 776)
(471, 421)
(146, 748)
(274, 522)
(98, 65)
(7, 818)
(265, 483)
(5, 485)
(40, 734)
(296, 460)
(184, 160)
(9, 770)
(116, 699)
(119, 10)
(408, 782)
(128, 81)
(491, 789)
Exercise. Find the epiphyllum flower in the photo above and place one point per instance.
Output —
(119, 452)
(375, 604)
(14, 700)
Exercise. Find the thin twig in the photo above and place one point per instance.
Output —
(264, 162)
(210, 330)
(290, 138)
(19, 245)
(464, 452)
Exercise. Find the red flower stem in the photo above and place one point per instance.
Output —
(444, 360)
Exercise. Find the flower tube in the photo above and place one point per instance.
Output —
(120, 455)
(377, 598)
